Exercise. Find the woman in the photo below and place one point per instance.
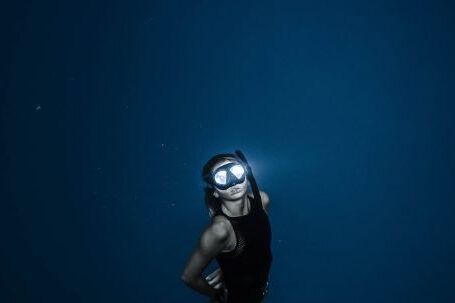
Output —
(238, 236)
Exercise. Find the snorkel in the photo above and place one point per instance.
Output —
(249, 175)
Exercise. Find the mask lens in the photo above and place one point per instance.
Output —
(237, 170)
(220, 177)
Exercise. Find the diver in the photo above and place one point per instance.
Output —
(238, 236)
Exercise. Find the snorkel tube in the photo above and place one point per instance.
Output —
(249, 175)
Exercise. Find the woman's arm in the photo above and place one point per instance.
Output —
(212, 241)
(265, 201)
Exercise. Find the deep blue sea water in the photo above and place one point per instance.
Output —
(345, 111)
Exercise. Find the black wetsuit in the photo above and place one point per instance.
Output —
(246, 268)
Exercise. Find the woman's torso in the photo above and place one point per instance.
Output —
(246, 260)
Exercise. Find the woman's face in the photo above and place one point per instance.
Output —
(231, 193)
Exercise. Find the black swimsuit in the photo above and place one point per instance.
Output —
(246, 268)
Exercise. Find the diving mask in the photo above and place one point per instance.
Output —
(228, 175)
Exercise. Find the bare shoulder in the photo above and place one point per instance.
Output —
(264, 197)
(219, 227)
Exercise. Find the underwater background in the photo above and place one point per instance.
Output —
(344, 109)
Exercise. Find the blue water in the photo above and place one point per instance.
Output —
(344, 110)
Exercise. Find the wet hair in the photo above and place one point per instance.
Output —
(213, 203)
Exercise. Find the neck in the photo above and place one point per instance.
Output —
(237, 207)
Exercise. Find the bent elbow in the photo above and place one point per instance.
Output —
(186, 279)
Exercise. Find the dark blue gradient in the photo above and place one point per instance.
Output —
(345, 111)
